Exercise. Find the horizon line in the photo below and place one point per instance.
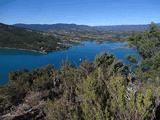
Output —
(84, 24)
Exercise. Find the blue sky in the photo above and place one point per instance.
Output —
(89, 12)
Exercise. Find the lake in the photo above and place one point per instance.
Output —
(14, 60)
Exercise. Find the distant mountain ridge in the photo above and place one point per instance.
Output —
(56, 27)
(83, 28)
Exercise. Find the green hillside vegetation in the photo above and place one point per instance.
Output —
(148, 44)
(13, 37)
(132, 58)
(99, 90)
(104, 89)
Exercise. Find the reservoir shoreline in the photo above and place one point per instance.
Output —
(15, 60)
(36, 51)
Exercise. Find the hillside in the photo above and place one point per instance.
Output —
(148, 44)
(20, 38)
(84, 28)
(81, 32)
(104, 89)
(57, 27)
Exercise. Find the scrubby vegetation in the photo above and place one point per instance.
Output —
(100, 90)
(132, 58)
(148, 44)
(104, 89)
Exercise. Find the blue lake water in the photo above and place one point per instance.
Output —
(13, 60)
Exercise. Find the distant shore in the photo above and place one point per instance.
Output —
(36, 51)
(125, 46)
(73, 43)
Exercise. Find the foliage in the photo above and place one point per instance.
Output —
(100, 90)
(132, 58)
(148, 44)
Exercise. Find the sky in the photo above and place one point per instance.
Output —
(86, 12)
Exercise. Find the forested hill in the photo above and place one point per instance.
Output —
(83, 28)
(104, 89)
(20, 38)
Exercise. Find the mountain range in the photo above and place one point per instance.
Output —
(45, 37)
(83, 28)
